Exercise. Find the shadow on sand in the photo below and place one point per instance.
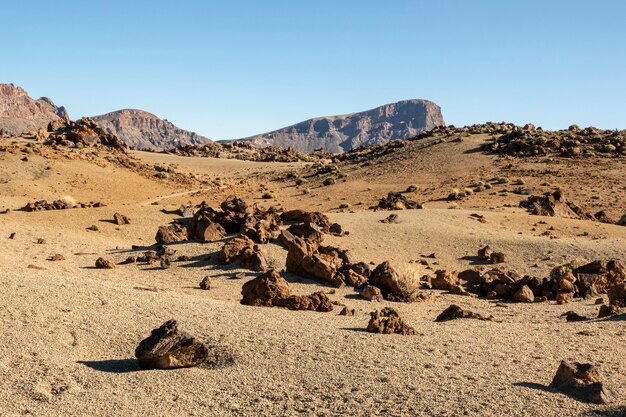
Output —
(117, 366)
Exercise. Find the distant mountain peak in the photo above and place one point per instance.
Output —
(20, 113)
(400, 120)
(140, 129)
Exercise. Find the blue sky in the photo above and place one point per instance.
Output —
(229, 69)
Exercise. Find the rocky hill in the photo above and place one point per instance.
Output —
(20, 113)
(142, 130)
(400, 120)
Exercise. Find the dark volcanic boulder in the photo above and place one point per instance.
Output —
(455, 312)
(167, 347)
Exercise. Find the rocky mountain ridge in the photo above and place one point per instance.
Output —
(400, 120)
(20, 113)
(142, 130)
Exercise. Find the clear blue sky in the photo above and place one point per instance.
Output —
(229, 69)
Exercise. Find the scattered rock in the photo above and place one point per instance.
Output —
(455, 312)
(40, 241)
(388, 321)
(171, 233)
(93, 228)
(102, 263)
(347, 312)
(120, 219)
(396, 201)
(167, 347)
(573, 316)
(242, 247)
(57, 257)
(392, 218)
(12, 235)
(205, 284)
(524, 295)
(581, 381)
(372, 293)
(271, 290)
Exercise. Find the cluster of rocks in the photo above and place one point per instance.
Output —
(556, 205)
(563, 284)
(488, 254)
(77, 134)
(617, 300)
(243, 248)
(61, 204)
(236, 216)
(271, 290)
(245, 151)
(160, 254)
(334, 266)
(572, 142)
(396, 201)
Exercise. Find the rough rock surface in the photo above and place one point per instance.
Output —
(388, 321)
(168, 347)
(400, 120)
(272, 290)
(102, 263)
(19, 113)
(142, 130)
(455, 312)
(397, 201)
(242, 247)
(581, 381)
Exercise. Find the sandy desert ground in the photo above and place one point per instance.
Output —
(69, 330)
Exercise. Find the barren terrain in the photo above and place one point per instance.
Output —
(70, 330)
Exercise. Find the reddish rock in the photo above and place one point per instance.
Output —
(444, 280)
(102, 263)
(171, 233)
(581, 381)
(388, 321)
(120, 219)
(372, 293)
(524, 295)
(268, 289)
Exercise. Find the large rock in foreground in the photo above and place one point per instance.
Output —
(582, 381)
(168, 347)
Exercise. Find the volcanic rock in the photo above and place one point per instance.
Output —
(167, 347)
(171, 233)
(372, 293)
(455, 312)
(120, 219)
(388, 321)
(102, 263)
(581, 381)
(397, 201)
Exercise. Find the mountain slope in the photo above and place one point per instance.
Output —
(142, 130)
(399, 120)
(20, 113)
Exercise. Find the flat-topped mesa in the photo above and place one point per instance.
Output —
(142, 130)
(400, 120)
(20, 113)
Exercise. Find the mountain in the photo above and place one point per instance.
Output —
(142, 130)
(20, 113)
(400, 120)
